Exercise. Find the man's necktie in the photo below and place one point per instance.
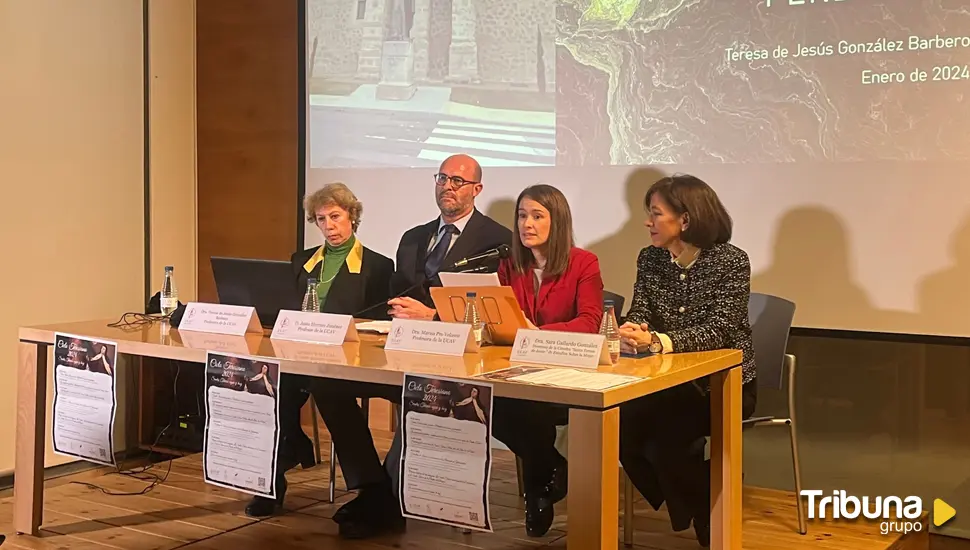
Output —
(440, 250)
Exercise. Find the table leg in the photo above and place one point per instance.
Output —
(726, 507)
(28, 490)
(594, 477)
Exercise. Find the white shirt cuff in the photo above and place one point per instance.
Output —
(668, 346)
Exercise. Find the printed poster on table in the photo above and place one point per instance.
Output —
(242, 423)
(85, 398)
(447, 454)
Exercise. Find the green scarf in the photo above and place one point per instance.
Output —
(333, 259)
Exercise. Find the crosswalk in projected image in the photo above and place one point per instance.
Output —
(368, 138)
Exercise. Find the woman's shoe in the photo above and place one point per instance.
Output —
(539, 513)
(539, 509)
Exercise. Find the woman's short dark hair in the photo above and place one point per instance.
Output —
(708, 222)
(561, 239)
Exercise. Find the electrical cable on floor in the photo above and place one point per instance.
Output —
(144, 473)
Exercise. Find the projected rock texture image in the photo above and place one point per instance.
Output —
(779, 81)
(410, 82)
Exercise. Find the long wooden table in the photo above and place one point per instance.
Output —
(593, 450)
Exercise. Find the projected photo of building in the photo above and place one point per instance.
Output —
(410, 82)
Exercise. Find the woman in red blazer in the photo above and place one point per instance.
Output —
(560, 288)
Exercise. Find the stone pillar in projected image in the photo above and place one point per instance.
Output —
(421, 39)
(397, 57)
(371, 41)
(463, 51)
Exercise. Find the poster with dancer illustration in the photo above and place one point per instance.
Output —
(242, 423)
(85, 398)
(447, 456)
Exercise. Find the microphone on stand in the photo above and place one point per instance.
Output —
(500, 251)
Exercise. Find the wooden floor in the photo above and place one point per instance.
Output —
(184, 512)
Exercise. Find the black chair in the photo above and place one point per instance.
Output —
(771, 319)
(618, 302)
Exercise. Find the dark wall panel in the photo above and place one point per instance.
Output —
(248, 130)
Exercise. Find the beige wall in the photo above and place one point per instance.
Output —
(171, 61)
(71, 166)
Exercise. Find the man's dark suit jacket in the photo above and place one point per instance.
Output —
(363, 281)
(481, 234)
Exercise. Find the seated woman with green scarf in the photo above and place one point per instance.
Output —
(349, 277)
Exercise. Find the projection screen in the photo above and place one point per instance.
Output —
(836, 132)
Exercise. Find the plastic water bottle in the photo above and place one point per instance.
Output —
(169, 297)
(310, 300)
(471, 315)
(609, 328)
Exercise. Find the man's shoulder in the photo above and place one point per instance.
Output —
(419, 230)
(492, 227)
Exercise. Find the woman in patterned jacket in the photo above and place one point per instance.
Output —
(691, 295)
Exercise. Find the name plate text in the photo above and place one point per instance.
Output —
(316, 328)
(562, 349)
(431, 337)
(220, 319)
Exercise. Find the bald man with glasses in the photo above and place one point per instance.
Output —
(459, 231)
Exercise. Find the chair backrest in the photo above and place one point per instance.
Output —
(771, 318)
(617, 302)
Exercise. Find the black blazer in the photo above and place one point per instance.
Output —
(480, 235)
(350, 292)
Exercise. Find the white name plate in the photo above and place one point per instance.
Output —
(228, 343)
(292, 350)
(431, 337)
(561, 349)
(315, 328)
(220, 319)
(426, 363)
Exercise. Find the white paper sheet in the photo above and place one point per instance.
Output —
(85, 398)
(447, 454)
(469, 279)
(242, 423)
(563, 378)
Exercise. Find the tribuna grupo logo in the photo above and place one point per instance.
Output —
(898, 514)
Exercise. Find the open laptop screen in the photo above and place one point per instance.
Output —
(267, 285)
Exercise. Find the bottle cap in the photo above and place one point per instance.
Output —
(608, 303)
(311, 281)
(169, 268)
(470, 294)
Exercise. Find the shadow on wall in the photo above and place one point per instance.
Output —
(838, 379)
(618, 253)
(503, 211)
(944, 294)
(944, 302)
(810, 266)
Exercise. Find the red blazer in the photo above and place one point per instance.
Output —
(571, 302)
